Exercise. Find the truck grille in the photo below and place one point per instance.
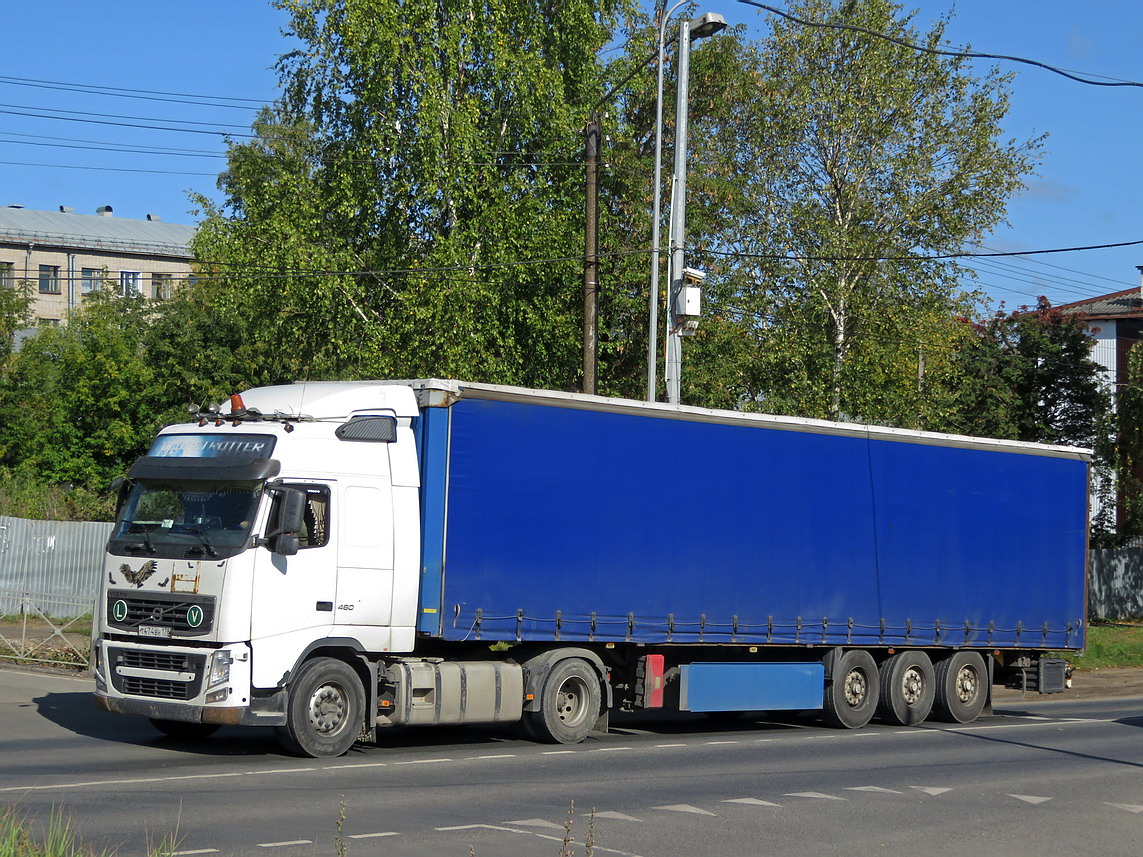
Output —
(159, 688)
(186, 686)
(181, 615)
(170, 661)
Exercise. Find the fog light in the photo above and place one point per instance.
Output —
(218, 695)
(219, 669)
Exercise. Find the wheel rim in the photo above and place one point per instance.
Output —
(966, 684)
(328, 707)
(912, 686)
(856, 688)
(571, 701)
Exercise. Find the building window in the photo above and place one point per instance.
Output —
(91, 280)
(161, 286)
(7, 274)
(48, 322)
(50, 279)
(130, 283)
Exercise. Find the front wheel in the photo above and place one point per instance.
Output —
(569, 704)
(851, 695)
(325, 711)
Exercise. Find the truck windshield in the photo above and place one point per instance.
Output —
(178, 520)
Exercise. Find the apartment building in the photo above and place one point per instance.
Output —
(63, 256)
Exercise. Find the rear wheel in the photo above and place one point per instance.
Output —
(961, 688)
(851, 695)
(569, 704)
(181, 731)
(907, 689)
(325, 711)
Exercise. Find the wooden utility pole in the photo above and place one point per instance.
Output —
(590, 255)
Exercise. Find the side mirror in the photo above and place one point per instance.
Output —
(121, 487)
(284, 544)
(288, 521)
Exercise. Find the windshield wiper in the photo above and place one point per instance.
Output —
(201, 533)
(146, 545)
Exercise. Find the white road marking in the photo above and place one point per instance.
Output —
(684, 807)
(931, 790)
(476, 827)
(355, 765)
(196, 851)
(283, 844)
(873, 789)
(721, 742)
(752, 801)
(556, 752)
(1130, 807)
(536, 822)
(617, 815)
(496, 756)
(817, 795)
(1033, 799)
(372, 835)
(422, 761)
(609, 749)
(663, 746)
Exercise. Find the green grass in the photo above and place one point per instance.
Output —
(1110, 645)
(17, 839)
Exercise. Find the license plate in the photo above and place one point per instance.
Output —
(153, 631)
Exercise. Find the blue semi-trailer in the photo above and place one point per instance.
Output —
(327, 558)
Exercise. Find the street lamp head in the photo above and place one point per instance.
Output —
(707, 25)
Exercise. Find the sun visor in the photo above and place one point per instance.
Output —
(205, 469)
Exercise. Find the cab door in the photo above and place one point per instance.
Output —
(365, 554)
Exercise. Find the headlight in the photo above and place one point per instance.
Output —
(219, 669)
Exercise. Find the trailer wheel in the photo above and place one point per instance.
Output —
(183, 731)
(961, 688)
(569, 704)
(851, 695)
(325, 710)
(907, 689)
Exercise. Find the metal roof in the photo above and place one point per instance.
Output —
(1125, 304)
(95, 232)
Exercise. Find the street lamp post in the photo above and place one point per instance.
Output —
(706, 25)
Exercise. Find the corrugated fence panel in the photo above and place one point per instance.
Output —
(51, 559)
(1115, 583)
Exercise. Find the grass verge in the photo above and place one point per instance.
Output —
(1110, 644)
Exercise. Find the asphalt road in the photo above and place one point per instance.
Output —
(1038, 778)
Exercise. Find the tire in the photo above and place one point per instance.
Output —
(325, 710)
(908, 686)
(182, 731)
(851, 695)
(569, 703)
(961, 688)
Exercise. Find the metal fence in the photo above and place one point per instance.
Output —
(44, 629)
(50, 564)
(1115, 583)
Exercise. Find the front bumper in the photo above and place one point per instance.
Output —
(179, 683)
(262, 710)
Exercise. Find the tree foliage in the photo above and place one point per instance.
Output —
(422, 152)
(1028, 375)
(859, 162)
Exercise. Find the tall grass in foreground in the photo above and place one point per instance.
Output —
(59, 840)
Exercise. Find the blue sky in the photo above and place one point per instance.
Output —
(1087, 191)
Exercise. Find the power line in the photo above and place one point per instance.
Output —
(104, 169)
(1087, 79)
(98, 89)
(22, 112)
